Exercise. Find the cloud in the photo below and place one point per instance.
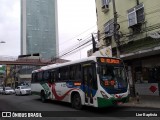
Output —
(75, 17)
(10, 27)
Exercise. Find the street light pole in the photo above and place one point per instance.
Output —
(79, 47)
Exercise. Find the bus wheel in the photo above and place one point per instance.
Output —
(76, 101)
(43, 98)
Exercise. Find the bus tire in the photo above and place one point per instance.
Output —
(43, 98)
(76, 101)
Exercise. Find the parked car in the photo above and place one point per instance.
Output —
(1, 90)
(8, 90)
(23, 90)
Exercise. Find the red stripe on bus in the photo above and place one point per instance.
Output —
(57, 96)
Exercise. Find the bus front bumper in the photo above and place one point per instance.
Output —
(102, 102)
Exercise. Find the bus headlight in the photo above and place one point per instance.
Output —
(104, 95)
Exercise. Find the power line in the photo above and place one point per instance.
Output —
(121, 22)
(78, 35)
(76, 48)
(75, 45)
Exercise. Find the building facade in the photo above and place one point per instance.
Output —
(2, 74)
(10, 76)
(39, 28)
(138, 35)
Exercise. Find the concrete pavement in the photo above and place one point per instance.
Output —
(144, 101)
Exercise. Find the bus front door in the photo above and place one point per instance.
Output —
(87, 81)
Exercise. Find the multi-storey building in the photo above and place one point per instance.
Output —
(138, 29)
(39, 28)
(2, 74)
(9, 78)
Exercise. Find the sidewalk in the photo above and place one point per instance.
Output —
(144, 101)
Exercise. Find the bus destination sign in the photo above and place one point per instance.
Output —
(110, 60)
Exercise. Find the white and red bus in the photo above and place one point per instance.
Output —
(93, 81)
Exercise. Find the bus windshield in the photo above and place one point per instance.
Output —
(113, 78)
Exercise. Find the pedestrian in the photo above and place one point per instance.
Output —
(3, 89)
(137, 97)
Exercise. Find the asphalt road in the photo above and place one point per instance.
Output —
(59, 110)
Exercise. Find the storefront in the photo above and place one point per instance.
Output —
(143, 70)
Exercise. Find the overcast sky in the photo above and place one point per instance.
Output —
(76, 20)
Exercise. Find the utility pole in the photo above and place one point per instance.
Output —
(116, 28)
(117, 38)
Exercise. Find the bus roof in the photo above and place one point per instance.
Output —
(66, 63)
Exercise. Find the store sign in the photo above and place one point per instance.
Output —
(105, 52)
(147, 89)
(153, 88)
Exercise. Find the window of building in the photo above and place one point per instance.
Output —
(136, 15)
(109, 28)
(105, 3)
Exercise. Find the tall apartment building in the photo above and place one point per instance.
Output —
(139, 43)
(39, 28)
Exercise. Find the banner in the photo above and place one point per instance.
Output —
(105, 52)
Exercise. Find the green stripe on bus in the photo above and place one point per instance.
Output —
(46, 89)
(102, 102)
(45, 86)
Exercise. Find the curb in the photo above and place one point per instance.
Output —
(138, 105)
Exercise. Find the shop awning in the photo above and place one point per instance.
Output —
(141, 53)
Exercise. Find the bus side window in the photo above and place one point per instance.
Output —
(71, 73)
(94, 75)
(57, 75)
(46, 75)
(64, 73)
(39, 76)
(75, 72)
(53, 77)
(34, 77)
(78, 72)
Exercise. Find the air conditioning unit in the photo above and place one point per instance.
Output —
(105, 8)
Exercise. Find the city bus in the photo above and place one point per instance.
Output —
(93, 81)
